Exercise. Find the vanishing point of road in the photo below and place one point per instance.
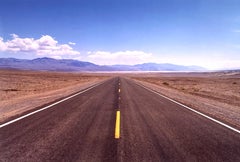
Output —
(117, 120)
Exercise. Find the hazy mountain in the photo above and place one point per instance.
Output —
(166, 67)
(50, 64)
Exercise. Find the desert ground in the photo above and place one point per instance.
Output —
(21, 91)
(215, 93)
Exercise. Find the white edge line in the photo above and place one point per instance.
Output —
(34, 112)
(191, 109)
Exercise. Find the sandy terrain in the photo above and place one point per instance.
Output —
(215, 94)
(21, 91)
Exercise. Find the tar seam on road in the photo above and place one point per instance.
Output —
(191, 109)
(117, 127)
(44, 108)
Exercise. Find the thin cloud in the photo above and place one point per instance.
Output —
(71, 43)
(120, 57)
(44, 46)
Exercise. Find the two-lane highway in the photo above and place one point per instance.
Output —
(152, 128)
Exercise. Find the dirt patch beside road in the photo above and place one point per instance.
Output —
(21, 91)
(215, 94)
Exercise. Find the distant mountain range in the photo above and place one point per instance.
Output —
(50, 64)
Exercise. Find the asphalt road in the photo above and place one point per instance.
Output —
(152, 128)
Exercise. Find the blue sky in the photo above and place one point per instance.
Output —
(185, 32)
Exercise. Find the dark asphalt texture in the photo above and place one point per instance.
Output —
(152, 129)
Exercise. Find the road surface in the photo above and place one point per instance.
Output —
(152, 128)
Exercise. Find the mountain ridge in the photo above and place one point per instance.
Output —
(50, 64)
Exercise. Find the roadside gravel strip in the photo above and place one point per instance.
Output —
(228, 114)
(193, 110)
(49, 106)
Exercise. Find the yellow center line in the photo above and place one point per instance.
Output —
(117, 127)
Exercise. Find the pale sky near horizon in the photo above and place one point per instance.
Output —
(185, 32)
